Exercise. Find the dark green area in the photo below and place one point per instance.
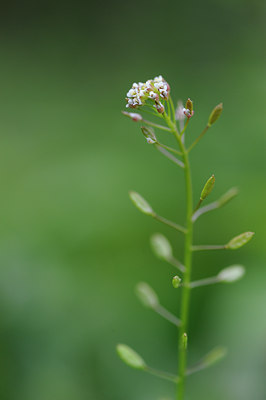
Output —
(72, 246)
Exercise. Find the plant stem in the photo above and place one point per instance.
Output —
(208, 247)
(170, 223)
(185, 297)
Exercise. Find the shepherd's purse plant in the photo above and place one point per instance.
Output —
(153, 98)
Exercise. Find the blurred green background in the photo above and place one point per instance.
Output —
(72, 246)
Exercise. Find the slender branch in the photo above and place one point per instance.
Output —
(163, 312)
(185, 127)
(204, 282)
(169, 156)
(163, 128)
(197, 206)
(170, 223)
(169, 148)
(203, 210)
(208, 247)
(177, 264)
(172, 107)
(198, 138)
(162, 374)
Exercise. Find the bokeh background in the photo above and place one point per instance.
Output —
(72, 246)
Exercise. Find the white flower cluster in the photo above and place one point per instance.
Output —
(153, 89)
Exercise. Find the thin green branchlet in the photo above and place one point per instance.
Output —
(154, 97)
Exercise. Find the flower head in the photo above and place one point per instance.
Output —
(156, 89)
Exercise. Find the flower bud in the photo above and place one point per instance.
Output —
(161, 246)
(134, 117)
(176, 281)
(147, 295)
(141, 203)
(227, 196)
(231, 274)
(239, 240)
(207, 187)
(130, 357)
(159, 107)
(215, 114)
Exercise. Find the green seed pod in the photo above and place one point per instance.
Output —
(207, 188)
(141, 203)
(130, 357)
(239, 240)
(176, 281)
(227, 196)
(231, 274)
(215, 114)
(215, 355)
(161, 246)
(189, 106)
(148, 133)
(147, 295)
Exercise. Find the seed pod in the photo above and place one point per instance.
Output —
(141, 203)
(147, 295)
(215, 114)
(161, 246)
(239, 240)
(176, 281)
(214, 356)
(148, 133)
(189, 106)
(130, 357)
(231, 274)
(207, 188)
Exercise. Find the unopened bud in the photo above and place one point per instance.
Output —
(147, 295)
(141, 203)
(159, 107)
(239, 240)
(207, 188)
(231, 274)
(134, 117)
(176, 281)
(215, 114)
(227, 196)
(161, 246)
(130, 357)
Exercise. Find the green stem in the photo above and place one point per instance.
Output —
(170, 223)
(161, 374)
(208, 247)
(163, 128)
(185, 296)
(198, 138)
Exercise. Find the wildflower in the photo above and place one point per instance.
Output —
(156, 89)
